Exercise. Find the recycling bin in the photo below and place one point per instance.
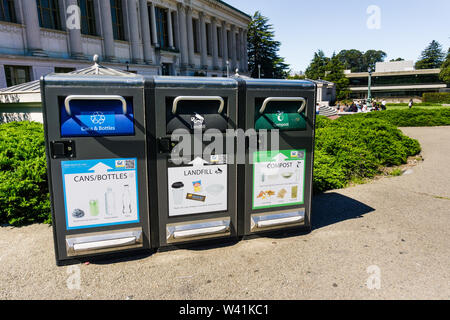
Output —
(196, 189)
(275, 183)
(97, 164)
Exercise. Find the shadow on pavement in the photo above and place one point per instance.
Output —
(332, 208)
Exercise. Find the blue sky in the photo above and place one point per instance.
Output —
(303, 27)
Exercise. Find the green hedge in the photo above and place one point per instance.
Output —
(436, 97)
(411, 117)
(24, 195)
(351, 149)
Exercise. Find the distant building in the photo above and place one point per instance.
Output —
(168, 37)
(326, 92)
(395, 82)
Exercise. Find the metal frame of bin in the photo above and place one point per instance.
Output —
(254, 96)
(165, 98)
(118, 235)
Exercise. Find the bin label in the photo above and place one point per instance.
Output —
(278, 178)
(199, 188)
(100, 193)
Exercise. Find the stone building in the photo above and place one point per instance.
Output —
(166, 37)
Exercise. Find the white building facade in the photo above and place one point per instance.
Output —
(165, 37)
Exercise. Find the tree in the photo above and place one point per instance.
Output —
(371, 57)
(316, 69)
(398, 59)
(335, 73)
(432, 57)
(263, 50)
(445, 69)
(351, 59)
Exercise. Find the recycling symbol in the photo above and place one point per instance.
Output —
(98, 118)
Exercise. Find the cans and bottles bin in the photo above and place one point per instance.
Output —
(120, 183)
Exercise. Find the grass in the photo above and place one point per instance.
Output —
(401, 107)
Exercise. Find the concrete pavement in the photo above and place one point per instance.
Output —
(392, 234)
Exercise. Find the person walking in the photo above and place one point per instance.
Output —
(411, 103)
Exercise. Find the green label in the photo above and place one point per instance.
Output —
(278, 178)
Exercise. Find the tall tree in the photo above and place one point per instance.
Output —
(335, 73)
(263, 50)
(371, 57)
(432, 57)
(445, 69)
(351, 59)
(316, 69)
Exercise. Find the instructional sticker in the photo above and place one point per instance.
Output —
(100, 192)
(278, 178)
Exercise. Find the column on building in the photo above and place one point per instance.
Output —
(170, 28)
(136, 52)
(176, 28)
(184, 50)
(108, 36)
(233, 49)
(190, 36)
(154, 31)
(145, 27)
(215, 44)
(203, 42)
(245, 51)
(224, 45)
(239, 49)
(33, 29)
(76, 48)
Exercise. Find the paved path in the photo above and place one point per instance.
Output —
(397, 226)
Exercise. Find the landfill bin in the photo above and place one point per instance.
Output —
(97, 163)
(275, 183)
(197, 194)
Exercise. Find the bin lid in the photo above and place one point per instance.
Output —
(194, 82)
(268, 84)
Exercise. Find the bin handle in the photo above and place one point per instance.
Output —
(284, 99)
(198, 98)
(86, 97)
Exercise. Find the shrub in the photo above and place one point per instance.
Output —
(436, 97)
(352, 149)
(24, 195)
(411, 117)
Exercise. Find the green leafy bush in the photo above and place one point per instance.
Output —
(24, 195)
(437, 97)
(410, 117)
(351, 149)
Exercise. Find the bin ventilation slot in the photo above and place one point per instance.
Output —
(100, 242)
(104, 244)
(198, 230)
(278, 219)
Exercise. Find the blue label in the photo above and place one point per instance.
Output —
(97, 118)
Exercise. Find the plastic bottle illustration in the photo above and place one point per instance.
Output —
(126, 200)
(109, 202)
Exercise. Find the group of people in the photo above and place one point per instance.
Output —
(362, 106)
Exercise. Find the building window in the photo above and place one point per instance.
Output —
(117, 19)
(208, 39)
(63, 70)
(87, 17)
(219, 41)
(7, 11)
(17, 75)
(196, 32)
(162, 27)
(48, 12)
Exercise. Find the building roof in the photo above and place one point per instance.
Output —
(233, 8)
(96, 69)
(30, 91)
(393, 73)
